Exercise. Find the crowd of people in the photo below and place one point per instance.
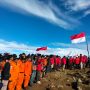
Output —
(23, 71)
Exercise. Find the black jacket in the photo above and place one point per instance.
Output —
(6, 71)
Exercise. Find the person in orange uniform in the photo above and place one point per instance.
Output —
(20, 79)
(14, 71)
(28, 71)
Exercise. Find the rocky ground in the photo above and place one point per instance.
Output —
(65, 80)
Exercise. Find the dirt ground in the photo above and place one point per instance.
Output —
(65, 80)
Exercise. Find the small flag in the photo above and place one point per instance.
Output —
(78, 38)
(42, 48)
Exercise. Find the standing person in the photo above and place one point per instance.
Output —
(42, 64)
(64, 62)
(84, 62)
(74, 62)
(33, 75)
(45, 65)
(39, 70)
(77, 62)
(58, 62)
(28, 71)
(0, 78)
(52, 62)
(21, 66)
(71, 59)
(5, 73)
(14, 71)
(81, 61)
(1, 72)
(67, 62)
(88, 61)
(48, 67)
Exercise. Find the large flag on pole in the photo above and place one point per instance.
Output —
(78, 38)
(42, 48)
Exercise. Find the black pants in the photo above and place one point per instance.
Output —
(77, 66)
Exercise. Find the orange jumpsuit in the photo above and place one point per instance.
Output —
(14, 71)
(20, 75)
(27, 73)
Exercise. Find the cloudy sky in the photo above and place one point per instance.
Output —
(28, 24)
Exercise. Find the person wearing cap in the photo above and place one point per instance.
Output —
(21, 65)
(28, 71)
(14, 71)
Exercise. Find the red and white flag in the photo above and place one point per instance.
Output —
(42, 48)
(78, 38)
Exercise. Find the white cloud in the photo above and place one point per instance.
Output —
(64, 51)
(14, 47)
(82, 46)
(87, 13)
(38, 8)
(77, 5)
(6, 46)
(61, 14)
(73, 48)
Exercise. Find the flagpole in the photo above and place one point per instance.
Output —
(87, 47)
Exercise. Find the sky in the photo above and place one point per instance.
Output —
(28, 24)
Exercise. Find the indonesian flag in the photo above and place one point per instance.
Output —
(78, 38)
(42, 48)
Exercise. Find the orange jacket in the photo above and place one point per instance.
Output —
(14, 71)
(21, 66)
(45, 62)
(3, 63)
(28, 68)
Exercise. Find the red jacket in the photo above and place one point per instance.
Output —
(71, 60)
(77, 60)
(58, 61)
(39, 67)
(63, 60)
(84, 59)
(52, 60)
(39, 61)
